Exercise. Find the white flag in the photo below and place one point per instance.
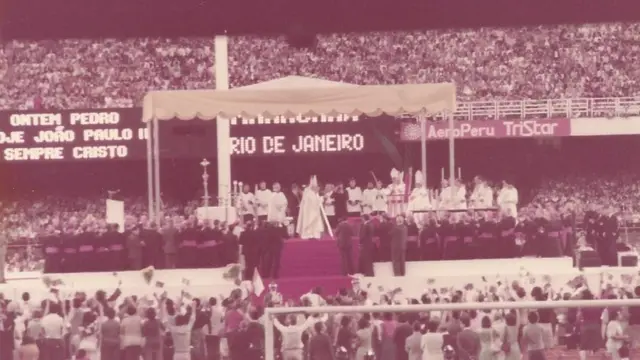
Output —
(258, 284)
(115, 213)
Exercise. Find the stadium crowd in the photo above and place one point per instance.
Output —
(520, 63)
(543, 62)
(60, 322)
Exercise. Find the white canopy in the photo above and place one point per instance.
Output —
(294, 95)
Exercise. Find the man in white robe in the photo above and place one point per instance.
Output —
(396, 193)
(354, 202)
(368, 198)
(460, 195)
(482, 195)
(446, 196)
(246, 204)
(312, 220)
(277, 209)
(419, 199)
(508, 199)
(263, 196)
(381, 200)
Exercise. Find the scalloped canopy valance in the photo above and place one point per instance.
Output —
(312, 97)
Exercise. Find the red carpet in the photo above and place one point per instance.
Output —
(310, 258)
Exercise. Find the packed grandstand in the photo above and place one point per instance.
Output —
(560, 62)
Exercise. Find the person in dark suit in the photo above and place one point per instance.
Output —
(402, 332)
(134, 249)
(365, 260)
(609, 237)
(344, 235)
(169, 244)
(399, 246)
(276, 233)
(320, 347)
(468, 341)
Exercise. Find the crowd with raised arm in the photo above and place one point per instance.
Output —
(542, 62)
(61, 323)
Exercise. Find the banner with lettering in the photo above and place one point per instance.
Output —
(112, 134)
(477, 129)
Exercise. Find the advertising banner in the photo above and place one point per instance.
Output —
(483, 129)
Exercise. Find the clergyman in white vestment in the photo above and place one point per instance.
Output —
(312, 220)
(277, 210)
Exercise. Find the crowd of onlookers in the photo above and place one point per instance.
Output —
(539, 62)
(73, 324)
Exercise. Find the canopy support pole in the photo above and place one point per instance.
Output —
(156, 172)
(452, 156)
(150, 181)
(423, 148)
(223, 126)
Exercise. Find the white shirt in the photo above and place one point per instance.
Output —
(263, 198)
(53, 326)
(246, 203)
(380, 202)
(216, 321)
(508, 196)
(614, 329)
(355, 199)
(292, 334)
(277, 207)
(368, 200)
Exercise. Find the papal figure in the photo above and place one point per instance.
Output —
(312, 220)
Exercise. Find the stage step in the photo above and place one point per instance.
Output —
(310, 258)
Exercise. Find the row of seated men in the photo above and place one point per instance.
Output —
(189, 247)
(467, 236)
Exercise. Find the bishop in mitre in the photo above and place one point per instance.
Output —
(312, 220)
(397, 186)
(419, 200)
(396, 192)
(482, 195)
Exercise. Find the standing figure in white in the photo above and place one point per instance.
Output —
(263, 196)
(508, 199)
(354, 202)
(312, 220)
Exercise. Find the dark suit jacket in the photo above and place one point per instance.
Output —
(320, 347)
(366, 234)
(399, 237)
(344, 233)
(403, 331)
(468, 345)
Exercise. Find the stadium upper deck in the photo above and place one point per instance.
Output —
(540, 62)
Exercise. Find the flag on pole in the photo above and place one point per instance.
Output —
(258, 284)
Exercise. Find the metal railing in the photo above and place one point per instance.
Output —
(549, 108)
